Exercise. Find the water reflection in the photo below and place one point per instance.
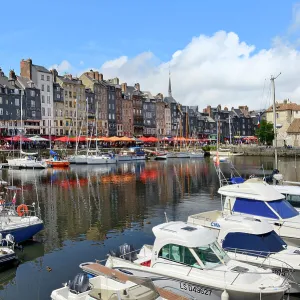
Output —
(88, 210)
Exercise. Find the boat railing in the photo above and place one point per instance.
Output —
(225, 272)
(10, 209)
(285, 270)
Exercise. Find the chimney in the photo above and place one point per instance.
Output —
(208, 110)
(226, 108)
(124, 87)
(137, 87)
(100, 77)
(285, 101)
(12, 77)
(96, 75)
(1, 73)
(54, 74)
(69, 76)
(26, 66)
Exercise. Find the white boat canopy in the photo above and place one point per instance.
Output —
(254, 188)
(38, 138)
(184, 234)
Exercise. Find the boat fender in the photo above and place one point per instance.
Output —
(224, 295)
(22, 209)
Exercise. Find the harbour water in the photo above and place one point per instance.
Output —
(89, 210)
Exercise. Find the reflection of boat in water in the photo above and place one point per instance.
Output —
(27, 175)
(149, 175)
(31, 251)
(118, 178)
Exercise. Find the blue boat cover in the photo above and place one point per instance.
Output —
(53, 152)
(254, 244)
(260, 208)
(235, 180)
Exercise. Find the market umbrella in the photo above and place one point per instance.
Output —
(38, 138)
(113, 139)
(77, 139)
(152, 139)
(126, 139)
(63, 139)
(17, 138)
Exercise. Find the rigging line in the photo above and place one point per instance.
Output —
(263, 93)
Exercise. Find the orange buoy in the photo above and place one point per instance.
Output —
(22, 210)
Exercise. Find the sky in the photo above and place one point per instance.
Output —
(218, 52)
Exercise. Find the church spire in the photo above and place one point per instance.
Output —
(170, 87)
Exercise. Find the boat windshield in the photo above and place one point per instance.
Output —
(254, 244)
(284, 209)
(293, 198)
(211, 255)
(261, 208)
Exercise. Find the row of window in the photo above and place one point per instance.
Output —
(44, 112)
(33, 113)
(43, 88)
(43, 77)
(17, 101)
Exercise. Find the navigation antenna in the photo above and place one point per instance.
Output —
(167, 221)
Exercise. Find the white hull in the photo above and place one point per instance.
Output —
(183, 286)
(130, 157)
(178, 155)
(80, 159)
(26, 163)
(100, 160)
(221, 159)
(196, 155)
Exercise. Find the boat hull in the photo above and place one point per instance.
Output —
(25, 233)
(26, 163)
(81, 160)
(161, 157)
(58, 164)
(195, 290)
(100, 161)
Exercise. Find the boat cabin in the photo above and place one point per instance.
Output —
(291, 193)
(186, 244)
(254, 197)
(249, 236)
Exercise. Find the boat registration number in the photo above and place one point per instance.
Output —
(195, 288)
(280, 272)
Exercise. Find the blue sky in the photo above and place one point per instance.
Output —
(94, 31)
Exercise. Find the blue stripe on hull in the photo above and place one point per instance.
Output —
(24, 233)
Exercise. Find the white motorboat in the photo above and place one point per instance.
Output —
(196, 154)
(161, 155)
(256, 198)
(28, 161)
(188, 259)
(7, 253)
(101, 159)
(178, 155)
(133, 154)
(255, 242)
(110, 284)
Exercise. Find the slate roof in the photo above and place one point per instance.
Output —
(294, 127)
(170, 100)
(5, 82)
(285, 106)
(41, 69)
(25, 82)
(70, 81)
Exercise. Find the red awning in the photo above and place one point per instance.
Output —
(17, 138)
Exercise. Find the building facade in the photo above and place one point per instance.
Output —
(43, 80)
(71, 113)
(167, 120)
(94, 81)
(149, 116)
(160, 117)
(286, 113)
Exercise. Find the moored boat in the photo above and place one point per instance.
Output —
(110, 284)
(254, 242)
(188, 259)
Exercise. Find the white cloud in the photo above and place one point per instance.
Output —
(81, 62)
(218, 69)
(295, 24)
(63, 67)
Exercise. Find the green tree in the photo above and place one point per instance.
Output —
(265, 132)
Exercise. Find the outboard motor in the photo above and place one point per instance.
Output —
(10, 239)
(79, 284)
(124, 251)
(269, 179)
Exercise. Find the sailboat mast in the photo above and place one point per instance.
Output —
(22, 95)
(274, 119)
(76, 109)
(97, 126)
(230, 142)
(87, 125)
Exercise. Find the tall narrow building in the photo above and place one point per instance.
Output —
(43, 80)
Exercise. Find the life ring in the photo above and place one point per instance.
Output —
(22, 210)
